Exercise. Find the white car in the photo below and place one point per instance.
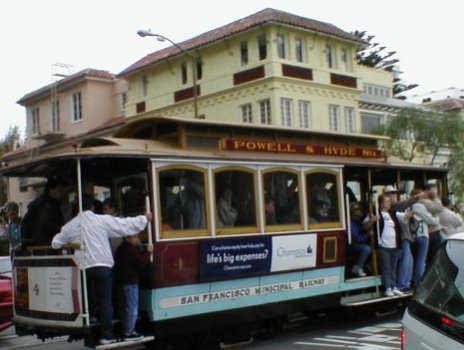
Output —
(434, 319)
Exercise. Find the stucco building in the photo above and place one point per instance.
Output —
(270, 68)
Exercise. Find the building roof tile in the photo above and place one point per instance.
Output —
(262, 17)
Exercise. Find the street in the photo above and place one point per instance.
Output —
(370, 332)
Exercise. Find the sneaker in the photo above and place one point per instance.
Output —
(358, 271)
(396, 291)
(407, 290)
(106, 341)
(389, 292)
(133, 336)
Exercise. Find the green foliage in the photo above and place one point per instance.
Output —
(376, 56)
(418, 132)
(7, 144)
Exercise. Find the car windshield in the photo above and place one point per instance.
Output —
(440, 291)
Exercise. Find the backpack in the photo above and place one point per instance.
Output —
(415, 226)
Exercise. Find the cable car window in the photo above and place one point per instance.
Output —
(281, 199)
(235, 201)
(131, 196)
(182, 203)
(323, 206)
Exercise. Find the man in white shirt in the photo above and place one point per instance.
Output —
(92, 232)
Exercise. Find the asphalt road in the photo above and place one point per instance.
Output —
(366, 331)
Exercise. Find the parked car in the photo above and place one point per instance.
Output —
(434, 318)
(6, 293)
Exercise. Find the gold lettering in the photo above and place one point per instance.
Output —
(352, 152)
(261, 146)
(310, 150)
(291, 148)
(238, 144)
(251, 146)
(271, 147)
(343, 151)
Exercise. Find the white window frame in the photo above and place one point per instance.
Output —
(123, 101)
(265, 112)
(144, 85)
(350, 120)
(330, 56)
(55, 115)
(244, 58)
(286, 111)
(35, 121)
(281, 42)
(345, 58)
(262, 39)
(300, 50)
(247, 113)
(334, 117)
(304, 111)
(76, 100)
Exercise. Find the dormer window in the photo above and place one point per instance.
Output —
(244, 53)
(183, 72)
(329, 54)
(262, 47)
(144, 85)
(35, 119)
(299, 50)
(281, 50)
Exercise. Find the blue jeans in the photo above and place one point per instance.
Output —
(405, 266)
(388, 264)
(131, 304)
(422, 246)
(100, 282)
(363, 250)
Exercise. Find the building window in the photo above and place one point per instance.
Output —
(281, 52)
(244, 53)
(123, 101)
(304, 108)
(247, 116)
(350, 125)
(35, 116)
(55, 106)
(77, 107)
(299, 50)
(144, 85)
(370, 122)
(345, 60)
(262, 47)
(286, 111)
(199, 69)
(183, 72)
(334, 112)
(265, 111)
(329, 54)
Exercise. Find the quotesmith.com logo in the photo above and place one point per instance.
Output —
(296, 253)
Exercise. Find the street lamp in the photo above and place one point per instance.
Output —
(193, 56)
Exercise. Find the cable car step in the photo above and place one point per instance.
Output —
(126, 344)
(369, 299)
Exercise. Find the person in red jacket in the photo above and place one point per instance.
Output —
(130, 259)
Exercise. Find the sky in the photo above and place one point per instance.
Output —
(101, 34)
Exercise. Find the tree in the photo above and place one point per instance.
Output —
(419, 132)
(375, 56)
(8, 143)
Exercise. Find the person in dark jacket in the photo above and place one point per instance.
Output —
(360, 239)
(44, 218)
(130, 260)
